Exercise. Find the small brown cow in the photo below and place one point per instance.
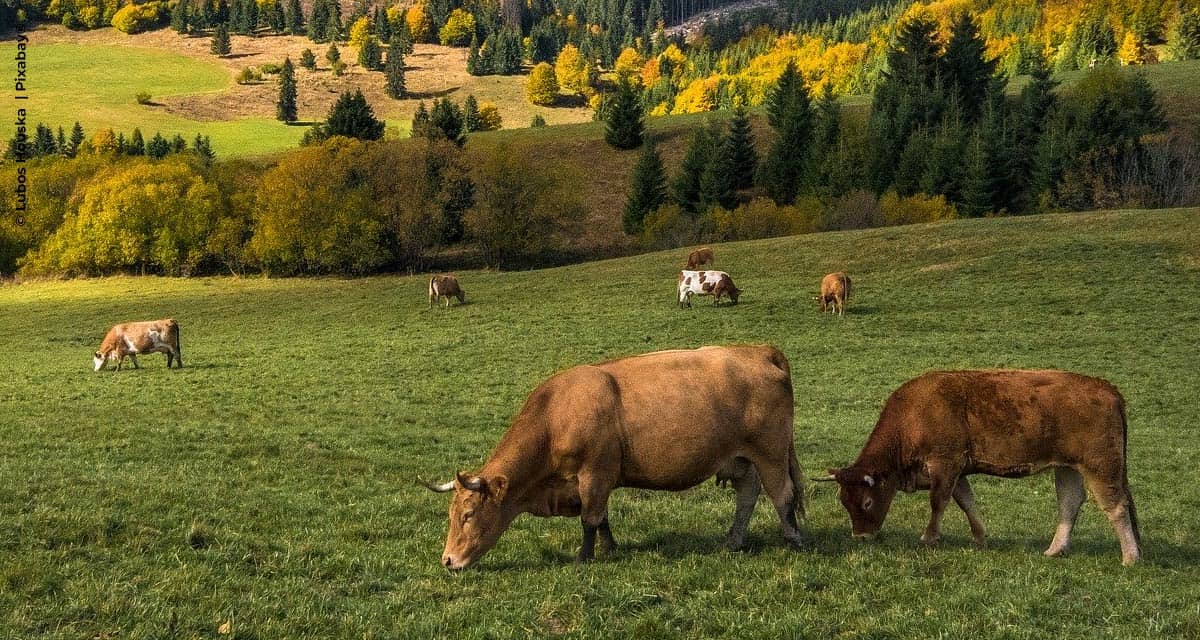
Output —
(940, 427)
(444, 287)
(706, 283)
(132, 338)
(699, 258)
(835, 292)
(665, 420)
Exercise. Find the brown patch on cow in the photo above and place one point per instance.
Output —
(707, 286)
(687, 280)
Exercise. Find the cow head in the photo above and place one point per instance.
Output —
(477, 518)
(734, 292)
(97, 361)
(867, 497)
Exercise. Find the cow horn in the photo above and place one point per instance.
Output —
(437, 488)
(474, 483)
(828, 478)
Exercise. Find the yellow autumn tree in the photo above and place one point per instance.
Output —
(489, 116)
(542, 88)
(1133, 50)
(419, 23)
(628, 64)
(360, 31)
(571, 70)
(459, 27)
(104, 141)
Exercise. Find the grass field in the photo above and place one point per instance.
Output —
(268, 485)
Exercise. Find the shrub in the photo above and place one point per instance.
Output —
(248, 75)
(538, 121)
(762, 218)
(338, 67)
(489, 117)
(269, 68)
(459, 28)
(143, 97)
(669, 227)
(308, 60)
(542, 88)
(855, 210)
(915, 209)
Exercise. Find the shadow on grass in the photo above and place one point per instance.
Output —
(302, 123)
(426, 95)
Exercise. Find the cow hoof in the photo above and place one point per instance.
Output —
(980, 543)
(583, 558)
(735, 544)
(930, 541)
(1055, 552)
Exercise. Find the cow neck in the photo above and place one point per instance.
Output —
(522, 458)
(882, 452)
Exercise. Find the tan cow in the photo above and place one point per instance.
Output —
(699, 258)
(940, 427)
(706, 283)
(444, 287)
(132, 338)
(665, 420)
(835, 292)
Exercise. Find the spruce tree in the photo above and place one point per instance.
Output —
(285, 108)
(369, 54)
(235, 17)
(250, 17)
(60, 143)
(158, 147)
(420, 121)
(739, 149)
(383, 28)
(221, 15)
(318, 21)
(471, 114)
(178, 144)
(827, 130)
(202, 145)
(648, 188)
(332, 54)
(308, 60)
(136, 145)
(76, 139)
(180, 17)
(393, 70)
(686, 188)
(623, 121)
(716, 181)
(966, 70)
(1034, 109)
(220, 41)
(446, 121)
(295, 18)
(276, 18)
(475, 62)
(790, 114)
(121, 145)
(405, 37)
(352, 117)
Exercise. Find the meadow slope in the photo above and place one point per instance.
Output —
(268, 485)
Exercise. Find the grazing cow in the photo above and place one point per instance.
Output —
(940, 427)
(699, 258)
(132, 338)
(636, 422)
(835, 292)
(706, 283)
(445, 287)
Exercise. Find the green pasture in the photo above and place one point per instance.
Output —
(269, 484)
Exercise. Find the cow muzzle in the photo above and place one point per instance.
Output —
(454, 564)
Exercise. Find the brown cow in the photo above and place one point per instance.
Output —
(664, 420)
(444, 287)
(940, 427)
(706, 283)
(699, 258)
(835, 292)
(132, 338)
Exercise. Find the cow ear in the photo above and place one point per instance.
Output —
(497, 487)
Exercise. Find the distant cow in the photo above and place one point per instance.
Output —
(445, 287)
(636, 422)
(940, 427)
(706, 283)
(835, 292)
(699, 258)
(132, 338)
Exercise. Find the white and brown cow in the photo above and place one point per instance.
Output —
(132, 338)
(706, 283)
(444, 287)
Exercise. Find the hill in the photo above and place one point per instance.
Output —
(269, 483)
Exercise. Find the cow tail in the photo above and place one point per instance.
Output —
(1133, 519)
(798, 484)
(178, 349)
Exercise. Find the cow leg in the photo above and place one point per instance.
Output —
(1114, 500)
(748, 486)
(594, 516)
(1068, 484)
(941, 488)
(965, 499)
(608, 544)
(133, 357)
(777, 481)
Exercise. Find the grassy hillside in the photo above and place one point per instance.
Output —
(268, 484)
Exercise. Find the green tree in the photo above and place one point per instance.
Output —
(136, 145)
(285, 107)
(220, 42)
(158, 147)
(295, 18)
(623, 120)
(686, 187)
(393, 69)
(739, 149)
(181, 17)
(202, 145)
(75, 140)
(332, 54)
(471, 114)
(1183, 43)
(967, 70)
(352, 117)
(789, 112)
(308, 60)
(318, 21)
(369, 54)
(648, 188)
(446, 121)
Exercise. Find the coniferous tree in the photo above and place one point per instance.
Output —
(60, 144)
(202, 145)
(393, 69)
(178, 144)
(475, 62)
(285, 108)
(471, 114)
(158, 147)
(43, 141)
(420, 121)
(967, 72)
(369, 54)
(332, 54)
(136, 145)
(623, 121)
(333, 25)
(648, 188)
(250, 17)
(295, 18)
(739, 149)
(308, 60)
(221, 15)
(383, 28)
(318, 21)
(276, 17)
(827, 131)
(76, 139)
(717, 179)
(121, 145)
(445, 120)
(220, 42)
(976, 198)
(789, 112)
(235, 17)
(181, 17)
(686, 188)
(943, 167)
(405, 36)
(352, 117)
